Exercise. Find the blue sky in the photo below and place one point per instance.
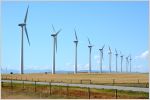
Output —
(122, 25)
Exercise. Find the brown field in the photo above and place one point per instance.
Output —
(76, 78)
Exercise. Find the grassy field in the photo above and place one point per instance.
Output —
(125, 79)
(28, 91)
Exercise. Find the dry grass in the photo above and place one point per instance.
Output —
(76, 78)
(43, 91)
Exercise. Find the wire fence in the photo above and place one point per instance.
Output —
(52, 91)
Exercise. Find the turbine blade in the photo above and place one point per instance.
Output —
(130, 57)
(76, 35)
(120, 53)
(116, 51)
(25, 19)
(109, 49)
(27, 35)
(58, 32)
(89, 41)
(53, 28)
(103, 46)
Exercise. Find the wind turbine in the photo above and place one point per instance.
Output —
(54, 35)
(23, 27)
(121, 60)
(110, 53)
(130, 63)
(6, 70)
(101, 57)
(127, 62)
(116, 59)
(90, 49)
(76, 44)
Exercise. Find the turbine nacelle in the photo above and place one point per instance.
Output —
(116, 52)
(101, 50)
(109, 51)
(90, 46)
(75, 41)
(54, 35)
(22, 24)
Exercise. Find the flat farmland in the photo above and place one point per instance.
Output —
(85, 78)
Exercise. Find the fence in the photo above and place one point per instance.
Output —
(47, 90)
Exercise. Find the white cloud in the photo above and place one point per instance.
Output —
(143, 55)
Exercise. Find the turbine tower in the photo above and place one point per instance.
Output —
(76, 44)
(116, 59)
(130, 63)
(54, 35)
(121, 56)
(23, 27)
(90, 49)
(127, 62)
(101, 57)
(110, 53)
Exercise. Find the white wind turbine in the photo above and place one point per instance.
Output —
(130, 63)
(127, 62)
(121, 56)
(90, 49)
(54, 35)
(101, 58)
(23, 27)
(76, 44)
(110, 54)
(116, 59)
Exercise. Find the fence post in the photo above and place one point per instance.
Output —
(147, 85)
(138, 81)
(11, 85)
(90, 82)
(50, 91)
(113, 81)
(81, 81)
(23, 85)
(67, 90)
(89, 94)
(35, 86)
(2, 83)
(116, 93)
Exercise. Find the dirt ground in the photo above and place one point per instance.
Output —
(76, 78)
